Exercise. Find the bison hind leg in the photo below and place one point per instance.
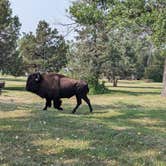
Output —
(85, 98)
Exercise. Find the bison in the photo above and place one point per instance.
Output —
(52, 86)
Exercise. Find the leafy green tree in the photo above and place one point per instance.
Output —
(27, 48)
(9, 33)
(154, 70)
(16, 66)
(46, 50)
(119, 57)
(146, 18)
(118, 37)
(89, 45)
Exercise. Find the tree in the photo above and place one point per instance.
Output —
(146, 18)
(9, 33)
(44, 51)
(17, 67)
(89, 46)
(141, 26)
(27, 49)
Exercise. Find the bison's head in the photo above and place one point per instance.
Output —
(33, 82)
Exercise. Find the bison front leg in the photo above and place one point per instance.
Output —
(78, 104)
(57, 104)
(48, 104)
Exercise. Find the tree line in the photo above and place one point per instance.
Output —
(116, 39)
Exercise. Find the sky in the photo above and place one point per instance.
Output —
(31, 11)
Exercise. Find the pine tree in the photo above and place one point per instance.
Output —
(9, 33)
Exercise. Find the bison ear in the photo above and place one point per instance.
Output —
(38, 77)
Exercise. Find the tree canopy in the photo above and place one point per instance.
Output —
(45, 50)
(9, 33)
(116, 39)
(121, 37)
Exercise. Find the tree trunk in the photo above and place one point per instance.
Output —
(109, 79)
(115, 82)
(163, 93)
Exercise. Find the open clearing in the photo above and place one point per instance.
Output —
(126, 128)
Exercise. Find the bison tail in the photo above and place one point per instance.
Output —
(82, 89)
(87, 88)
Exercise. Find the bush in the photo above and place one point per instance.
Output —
(154, 72)
(96, 87)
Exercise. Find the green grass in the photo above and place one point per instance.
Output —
(126, 128)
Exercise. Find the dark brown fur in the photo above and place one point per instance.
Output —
(53, 86)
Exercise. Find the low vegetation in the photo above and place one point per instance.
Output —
(126, 128)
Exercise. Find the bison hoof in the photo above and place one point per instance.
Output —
(73, 112)
(61, 109)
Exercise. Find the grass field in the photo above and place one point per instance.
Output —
(128, 127)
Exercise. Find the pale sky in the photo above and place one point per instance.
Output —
(31, 11)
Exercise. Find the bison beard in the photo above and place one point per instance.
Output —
(53, 87)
